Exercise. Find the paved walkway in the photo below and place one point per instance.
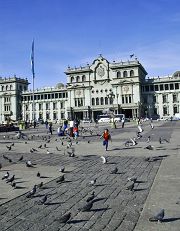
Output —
(115, 208)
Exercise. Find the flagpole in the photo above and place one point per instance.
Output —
(33, 76)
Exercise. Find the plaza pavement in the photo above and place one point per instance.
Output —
(115, 208)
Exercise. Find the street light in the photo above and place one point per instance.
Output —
(111, 96)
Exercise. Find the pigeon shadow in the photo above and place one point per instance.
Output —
(67, 172)
(99, 199)
(44, 177)
(170, 219)
(159, 149)
(3, 198)
(76, 221)
(98, 185)
(111, 163)
(19, 182)
(99, 210)
(54, 203)
(20, 187)
(46, 187)
(139, 189)
(131, 148)
(140, 181)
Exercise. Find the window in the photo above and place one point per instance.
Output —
(64, 95)
(62, 115)
(154, 98)
(11, 88)
(165, 98)
(61, 105)
(123, 99)
(118, 74)
(49, 96)
(175, 98)
(111, 100)
(97, 101)
(2, 88)
(166, 87)
(54, 106)
(130, 100)
(56, 95)
(83, 78)
(6, 87)
(97, 91)
(156, 88)
(151, 87)
(126, 97)
(102, 101)
(77, 79)
(93, 101)
(106, 100)
(40, 106)
(165, 111)
(47, 116)
(42, 96)
(54, 116)
(146, 88)
(131, 73)
(45, 96)
(176, 86)
(47, 106)
(125, 74)
(72, 79)
(171, 86)
(161, 87)
(175, 109)
(52, 96)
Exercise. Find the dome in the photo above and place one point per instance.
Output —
(60, 85)
(176, 74)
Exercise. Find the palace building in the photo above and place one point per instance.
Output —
(120, 86)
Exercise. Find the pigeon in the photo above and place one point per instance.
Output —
(90, 198)
(158, 217)
(104, 160)
(62, 169)
(114, 171)
(58, 149)
(92, 182)
(34, 150)
(32, 192)
(12, 144)
(86, 207)
(0, 165)
(13, 184)
(31, 151)
(5, 157)
(48, 152)
(5, 176)
(8, 147)
(149, 147)
(133, 179)
(21, 158)
(42, 200)
(61, 179)
(148, 139)
(29, 163)
(130, 187)
(64, 218)
(9, 180)
(38, 174)
(40, 185)
(44, 145)
(10, 160)
(40, 146)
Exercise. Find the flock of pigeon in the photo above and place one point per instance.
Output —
(70, 151)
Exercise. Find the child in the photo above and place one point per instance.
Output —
(106, 136)
(75, 132)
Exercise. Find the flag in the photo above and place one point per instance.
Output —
(32, 59)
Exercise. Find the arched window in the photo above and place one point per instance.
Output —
(83, 78)
(102, 101)
(97, 101)
(118, 74)
(77, 79)
(125, 74)
(10, 87)
(93, 101)
(106, 100)
(111, 100)
(20, 88)
(72, 79)
(2, 88)
(131, 73)
(6, 87)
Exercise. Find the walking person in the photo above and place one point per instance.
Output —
(50, 127)
(123, 122)
(106, 136)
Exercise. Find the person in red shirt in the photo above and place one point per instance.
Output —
(75, 132)
(106, 136)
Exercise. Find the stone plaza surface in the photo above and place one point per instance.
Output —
(114, 208)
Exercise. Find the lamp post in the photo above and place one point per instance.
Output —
(111, 96)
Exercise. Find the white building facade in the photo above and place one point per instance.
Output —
(121, 86)
(10, 98)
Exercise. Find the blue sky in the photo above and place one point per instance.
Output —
(74, 32)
